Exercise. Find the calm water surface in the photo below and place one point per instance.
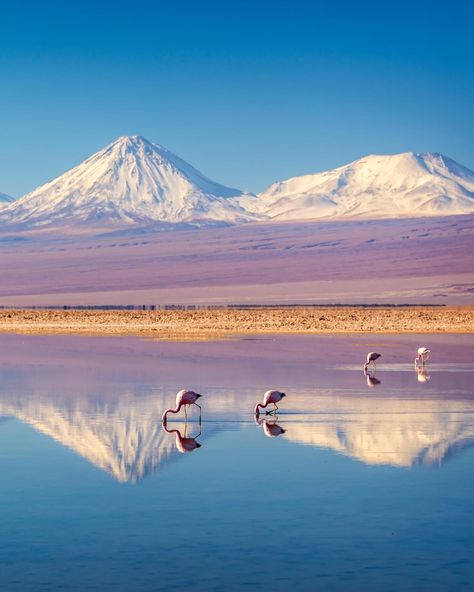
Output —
(360, 482)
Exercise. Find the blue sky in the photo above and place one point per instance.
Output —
(248, 92)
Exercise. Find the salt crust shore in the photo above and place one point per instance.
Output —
(218, 323)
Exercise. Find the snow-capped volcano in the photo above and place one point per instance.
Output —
(136, 182)
(400, 185)
(131, 180)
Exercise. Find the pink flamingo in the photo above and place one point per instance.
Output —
(269, 397)
(422, 354)
(183, 398)
(371, 357)
(183, 444)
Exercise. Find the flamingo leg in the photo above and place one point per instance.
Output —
(186, 413)
(273, 410)
(200, 412)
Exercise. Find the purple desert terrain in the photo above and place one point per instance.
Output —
(423, 260)
(135, 224)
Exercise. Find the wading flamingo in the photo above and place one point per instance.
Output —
(423, 354)
(371, 357)
(183, 443)
(270, 397)
(183, 399)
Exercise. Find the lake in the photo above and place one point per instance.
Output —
(359, 483)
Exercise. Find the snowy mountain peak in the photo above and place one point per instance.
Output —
(131, 180)
(135, 181)
(376, 186)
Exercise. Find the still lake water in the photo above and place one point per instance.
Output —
(360, 483)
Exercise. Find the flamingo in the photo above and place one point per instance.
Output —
(269, 397)
(183, 444)
(183, 398)
(423, 354)
(371, 357)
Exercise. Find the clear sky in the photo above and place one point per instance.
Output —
(248, 92)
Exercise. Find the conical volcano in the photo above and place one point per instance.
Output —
(130, 181)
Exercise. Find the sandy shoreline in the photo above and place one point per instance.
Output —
(226, 323)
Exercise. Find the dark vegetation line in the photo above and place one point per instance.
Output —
(215, 306)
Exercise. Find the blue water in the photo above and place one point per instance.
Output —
(352, 486)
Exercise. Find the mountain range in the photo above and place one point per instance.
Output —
(134, 182)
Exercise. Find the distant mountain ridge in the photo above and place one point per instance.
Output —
(401, 185)
(133, 182)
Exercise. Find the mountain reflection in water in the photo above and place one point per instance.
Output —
(124, 437)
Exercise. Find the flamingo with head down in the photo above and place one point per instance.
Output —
(371, 358)
(269, 398)
(183, 399)
(423, 353)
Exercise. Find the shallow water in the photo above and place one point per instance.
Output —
(360, 482)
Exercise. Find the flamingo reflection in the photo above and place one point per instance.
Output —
(371, 380)
(184, 443)
(270, 427)
(422, 374)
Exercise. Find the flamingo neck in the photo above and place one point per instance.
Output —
(257, 412)
(170, 431)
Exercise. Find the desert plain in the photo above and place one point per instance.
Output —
(209, 323)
